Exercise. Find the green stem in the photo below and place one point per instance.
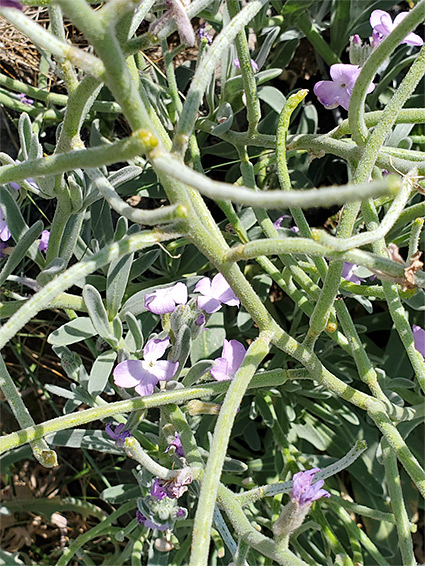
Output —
(316, 39)
(275, 199)
(415, 236)
(66, 68)
(253, 109)
(123, 150)
(40, 448)
(405, 543)
(273, 378)
(210, 482)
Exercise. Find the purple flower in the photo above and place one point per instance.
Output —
(348, 273)
(176, 443)
(237, 64)
(383, 25)
(157, 490)
(419, 339)
(142, 520)
(10, 4)
(225, 367)
(200, 320)
(303, 492)
(180, 512)
(144, 375)
(277, 223)
(24, 99)
(339, 89)
(176, 487)
(4, 230)
(44, 240)
(30, 180)
(215, 293)
(202, 34)
(162, 301)
(119, 434)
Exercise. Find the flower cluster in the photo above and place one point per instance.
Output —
(337, 92)
(145, 374)
(303, 494)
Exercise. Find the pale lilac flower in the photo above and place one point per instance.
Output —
(419, 339)
(24, 99)
(11, 4)
(178, 448)
(225, 367)
(302, 496)
(348, 273)
(215, 293)
(338, 90)
(383, 25)
(44, 240)
(157, 490)
(277, 223)
(162, 301)
(119, 434)
(176, 487)
(203, 34)
(144, 375)
(237, 64)
(295, 229)
(181, 512)
(142, 520)
(4, 230)
(303, 492)
(30, 180)
(200, 320)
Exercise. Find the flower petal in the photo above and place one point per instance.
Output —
(179, 293)
(129, 373)
(155, 349)
(222, 291)
(220, 370)
(234, 352)
(328, 93)
(419, 339)
(159, 302)
(375, 17)
(147, 386)
(164, 370)
(209, 304)
(203, 286)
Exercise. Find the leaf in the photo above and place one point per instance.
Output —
(100, 372)
(124, 175)
(54, 268)
(273, 97)
(120, 493)
(20, 250)
(134, 338)
(208, 344)
(72, 332)
(15, 221)
(224, 117)
(98, 314)
(262, 55)
(197, 371)
(116, 283)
